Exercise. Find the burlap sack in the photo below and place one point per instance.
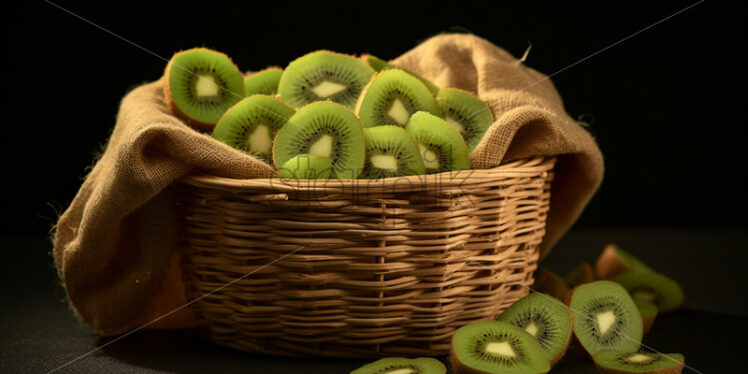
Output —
(114, 245)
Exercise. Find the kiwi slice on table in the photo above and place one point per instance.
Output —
(306, 166)
(466, 113)
(649, 313)
(441, 146)
(378, 65)
(614, 261)
(391, 152)
(263, 82)
(654, 287)
(497, 347)
(545, 318)
(618, 362)
(324, 75)
(400, 365)
(392, 97)
(201, 84)
(605, 317)
(581, 274)
(252, 123)
(548, 282)
(324, 129)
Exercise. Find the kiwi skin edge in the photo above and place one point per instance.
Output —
(609, 264)
(551, 284)
(561, 354)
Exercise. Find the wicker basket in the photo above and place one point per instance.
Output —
(360, 268)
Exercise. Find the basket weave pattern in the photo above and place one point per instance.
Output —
(371, 268)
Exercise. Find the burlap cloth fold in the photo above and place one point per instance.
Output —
(114, 247)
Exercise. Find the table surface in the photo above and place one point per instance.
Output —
(38, 332)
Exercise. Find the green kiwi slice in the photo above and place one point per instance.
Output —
(441, 146)
(468, 114)
(547, 319)
(392, 97)
(649, 313)
(581, 274)
(400, 365)
(605, 317)
(497, 347)
(378, 65)
(391, 152)
(614, 261)
(550, 283)
(324, 75)
(201, 84)
(324, 129)
(654, 287)
(252, 123)
(263, 82)
(618, 362)
(306, 167)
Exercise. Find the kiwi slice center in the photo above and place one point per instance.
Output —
(639, 358)
(430, 158)
(500, 349)
(206, 86)
(259, 141)
(402, 371)
(385, 162)
(532, 329)
(605, 321)
(327, 89)
(456, 124)
(322, 146)
(398, 112)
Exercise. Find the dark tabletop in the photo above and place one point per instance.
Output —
(38, 332)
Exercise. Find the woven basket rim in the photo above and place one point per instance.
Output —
(517, 168)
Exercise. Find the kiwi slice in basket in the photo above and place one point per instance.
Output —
(497, 347)
(392, 97)
(545, 318)
(441, 146)
(400, 365)
(614, 261)
(324, 75)
(306, 166)
(466, 113)
(324, 129)
(391, 152)
(378, 65)
(605, 317)
(618, 362)
(581, 274)
(654, 287)
(201, 84)
(252, 123)
(649, 313)
(263, 82)
(548, 282)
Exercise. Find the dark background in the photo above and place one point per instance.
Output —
(667, 105)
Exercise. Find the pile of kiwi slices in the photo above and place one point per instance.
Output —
(328, 115)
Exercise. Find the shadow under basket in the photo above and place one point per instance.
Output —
(359, 268)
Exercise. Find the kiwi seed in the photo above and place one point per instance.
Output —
(618, 362)
(654, 287)
(441, 146)
(392, 97)
(400, 365)
(201, 84)
(263, 82)
(468, 114)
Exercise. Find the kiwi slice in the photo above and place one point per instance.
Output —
(400, 365)
(649, 313)
(263, 82)
(252, 123)
(466, 113)
(306, 166)
(654, 287)
(378, 65)
(614, 261)
(545, 318)
(392, 97)
(324, 75)
(201, 84)
(391, 152)
(324, 129)
(605, 317)
(441, 146)
(497, 347)
(617, 362)
(581, 274)
(548, 282)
